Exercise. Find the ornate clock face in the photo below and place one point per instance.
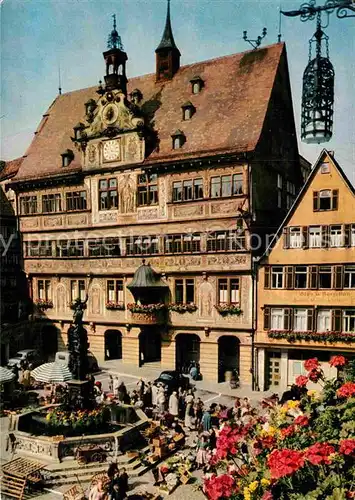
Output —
(111, 150)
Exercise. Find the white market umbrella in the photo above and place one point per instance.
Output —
(52, 373)
(6, 375)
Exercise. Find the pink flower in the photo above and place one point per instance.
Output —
(301, 381)
(311, 364)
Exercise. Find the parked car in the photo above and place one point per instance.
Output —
(63, 357)
(30, 356)
(173, 380)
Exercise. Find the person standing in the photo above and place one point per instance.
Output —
(198, 412)
(206, 421)
(174, 404)
(140, 388)
(161, 400)
(123, 483)
(122, 392)
(110, 383)
(154, 394)
(189, 400)
(116, 385)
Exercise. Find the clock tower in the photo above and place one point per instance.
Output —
(115, 59)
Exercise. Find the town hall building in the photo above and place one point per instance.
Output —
(143, 193)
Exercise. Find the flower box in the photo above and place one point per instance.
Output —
(182, 308)
(308, 336)
(43, 304)
(114, 306)
(146, 308)
(225, 309)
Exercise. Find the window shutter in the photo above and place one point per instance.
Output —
(315, 200)
(338, 277)
(305, 237)
(310, 320)
(289, 278)
(267, 276)
(267, 318)
(325, 236)
(286, 237)
(335, 199)
(288, 318)
(347, 235)
(336, 320)
(313, 277)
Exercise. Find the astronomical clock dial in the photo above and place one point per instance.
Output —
(109, 114)
(111, 150)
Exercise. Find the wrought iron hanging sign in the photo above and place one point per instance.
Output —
(318, 77)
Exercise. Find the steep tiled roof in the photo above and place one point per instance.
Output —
(10, 169)
(230, 111)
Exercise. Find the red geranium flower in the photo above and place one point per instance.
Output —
(315, 375)
(287, 431)
(228, 440)
(319, 453)
(347, 446)
(338, 361)
(346, 390)
(284, 462)
(267, 496)
(301, 420)
(301, 381)
(311, 364)
(219, 486)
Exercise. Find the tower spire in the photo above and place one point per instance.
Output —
(114, 40)
(167, 53)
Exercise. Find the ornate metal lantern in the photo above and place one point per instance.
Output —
(318, 92)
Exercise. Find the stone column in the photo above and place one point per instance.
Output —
(168, 352)
(245, 364)
(130, 347)
(209, 361)
(260, 367)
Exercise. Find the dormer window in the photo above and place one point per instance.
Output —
(136, 96)
(67, 157)
(188, 109)
(178, 139)
(197, 84)
(78, 131)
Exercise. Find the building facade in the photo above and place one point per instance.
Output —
(306, 283)
(177, 168)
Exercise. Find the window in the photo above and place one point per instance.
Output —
(279, 181)
(315, 237)
(142, 245)
(352, 236)
(326, 199)
(325, 168)
(44, 289)
(300, 276)
(51, 203)
(196, 88)
(277, 319)
(336, 236)
(115, 291)
(223, 241)
(107, 247)
(188, 190)
(295, 237)
(76, 200)
(28, 205)
(228, 291)
(147, 189)
(108, 195)
(38, 248)
(226, 185)
(183, 243)
(349, 321)
(300, 320)
(349, 277)
(187, 113)
(276, 277)
(77, 290)
(70, 248)
(184, 291)
(325, 277)
(324, 320)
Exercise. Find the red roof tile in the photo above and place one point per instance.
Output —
(230, 111)
(10, 169)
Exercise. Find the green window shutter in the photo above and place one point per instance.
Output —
(267, 318)
(338, 277)
(289, 277)
(313, 277)
(335, 201)
(310, 320)
(336, 320)
(286, 234)
(267, 271)
(315, 201)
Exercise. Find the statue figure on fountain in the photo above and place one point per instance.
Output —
(78, 342)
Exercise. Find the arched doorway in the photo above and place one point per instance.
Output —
(49, 335)
(149, 345)
(187, 351)
(228, 355)
(113, 344)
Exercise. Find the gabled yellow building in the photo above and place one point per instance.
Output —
(306, 280)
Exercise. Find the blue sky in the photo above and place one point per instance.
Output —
(37, 35)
